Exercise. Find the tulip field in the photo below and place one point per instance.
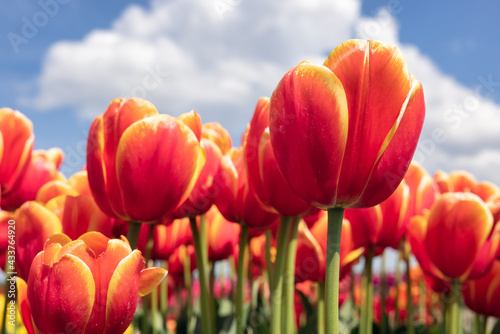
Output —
(173, 226)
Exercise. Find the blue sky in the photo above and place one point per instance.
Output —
(219, 56)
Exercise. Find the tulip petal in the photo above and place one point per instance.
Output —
(95, 241)
(122, 293)
(169, 157)
(193, 121)
(61, 297)
(376, 81)
(308, 122)
(24, 306)
(149, 279)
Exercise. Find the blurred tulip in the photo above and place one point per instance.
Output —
(382, 225)
(5, 216)
(457, 239)
(311, 251)
(236, 200)
(343, 134)
(80, 182)
(483, 295)
(177, 259)
(218, 135)
(202, 196)
(43, 167)
(462, 181)
(142, 165)
(34, 225)
(16, 144)
(222, 235)
(89, 285)
(423, 190)
(54, 188)
(263, 173)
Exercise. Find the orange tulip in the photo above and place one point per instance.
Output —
(423, 190)
(483, 295)
(310, 263)
(222, 235)
(218, 135)
(263, 173)
(34, 225)
(236, 200)
(343, 134)
(16, 144)
(202, 196)
(142, 165)
(462, 181)
(382, 225)
(43, 167)
(88, 285)
(457, 239)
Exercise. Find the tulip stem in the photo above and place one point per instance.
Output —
(148, 316)
(480, 323)
(335, 217)
(452, 309)
(409, 300)
(134, 228)
(277, 288)
(164, 293)
(383, 294)
(321, 308)
(268, 260)
(366, 325)
(397, 280)
(289, 280)
(241, 277)
(205, 310)
(187, 283)
(154, 310)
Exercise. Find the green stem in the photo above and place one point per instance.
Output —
(421, 301)
(484, 321)
(203, 240)
(321, 308)
(366, 325)
(452, 309)
(187, 283)
(383, 294)
(268, 259)
(164, 293)
(147, 298)
(154, 309)
(410, 329)
(240, 326)
(277, 288)
(211, 283)
(335, 216)
(134, 228)
(205, 311)
(289, 280)
(397, 280)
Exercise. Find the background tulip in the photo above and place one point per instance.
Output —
(90, 284)
(142, 165)
(16, 144)
(483, 295)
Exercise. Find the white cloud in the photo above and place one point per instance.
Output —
(220, 56)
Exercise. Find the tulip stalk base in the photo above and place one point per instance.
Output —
(289, 281)
(133, 233)
(453, 320)
(240, 326)
(205, 310)
(277, 287)
(366, 325)
(335, 217)
(321, 308)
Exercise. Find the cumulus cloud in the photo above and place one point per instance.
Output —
(220, 56)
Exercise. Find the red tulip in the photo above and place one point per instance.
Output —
(88, 285)
(34, 225)
(382, 225)
(236, 200)
(43, 167)
(310, 263)
(343, 134)
(218, 135)
(423, 190)
(222, 235)
(142, 165)
(457, 239)
(16, 144)
(483, 295)
(263, 173)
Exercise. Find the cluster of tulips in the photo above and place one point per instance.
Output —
(322, 177)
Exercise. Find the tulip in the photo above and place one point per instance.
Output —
(89, 285)
(222, 235)
(462, 181)
(34, 225)
(458, 226)
(142, 165)
(483, 295)
(53, 189)
(16, 144)
(43, 167)
(343, 134)
(218, 135)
